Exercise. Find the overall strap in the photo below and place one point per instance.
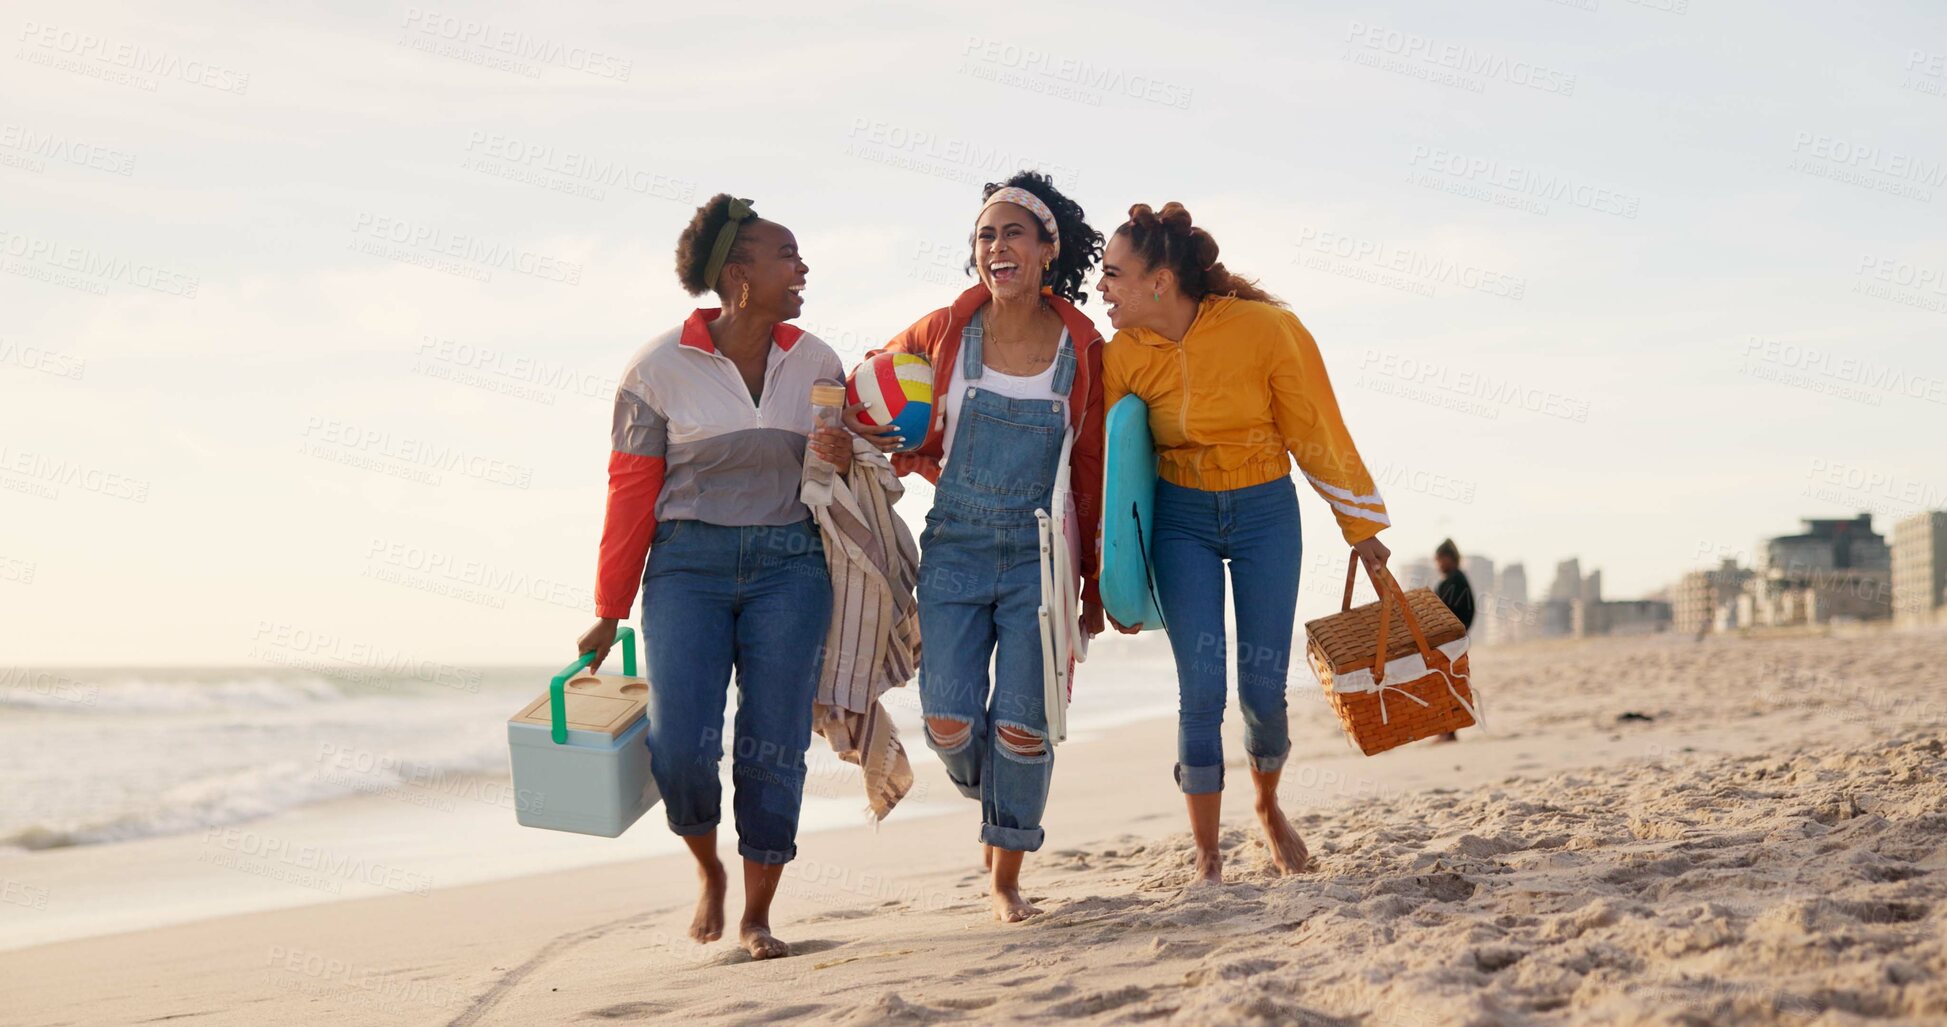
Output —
(1064, 365)
(972, 361)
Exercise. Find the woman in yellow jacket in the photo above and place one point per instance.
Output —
(1236, 390)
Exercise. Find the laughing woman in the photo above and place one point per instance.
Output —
(1236, 390)
(711, 424)
(1016, 367)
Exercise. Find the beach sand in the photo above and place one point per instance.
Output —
(1766, 848)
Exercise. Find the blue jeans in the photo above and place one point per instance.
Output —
(757, 599)
(979, 592)
(1256, 529)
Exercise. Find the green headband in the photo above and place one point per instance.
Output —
(739, 210)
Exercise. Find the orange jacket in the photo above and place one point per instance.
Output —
(1241, 394)
(937, 337)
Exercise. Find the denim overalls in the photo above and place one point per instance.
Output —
(979, 596)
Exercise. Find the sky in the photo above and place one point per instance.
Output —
(311, 315)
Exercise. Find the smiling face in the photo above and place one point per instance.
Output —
(1127, 286)
(1009, 252)
(775, 271)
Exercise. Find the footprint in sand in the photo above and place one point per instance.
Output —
(625, 1011)
(839, 914)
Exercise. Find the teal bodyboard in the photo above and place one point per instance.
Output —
(1129, 515)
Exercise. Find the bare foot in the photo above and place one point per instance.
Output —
(1210, 867)
(759, 942)
(1288, 852)
(707, 925)
(1011, 907)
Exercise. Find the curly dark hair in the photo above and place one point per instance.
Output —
(1166, 238)
(1081, 246)
(700, 236)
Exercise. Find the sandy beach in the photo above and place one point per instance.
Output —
(1764, 848)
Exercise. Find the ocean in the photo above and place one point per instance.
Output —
(279, 786)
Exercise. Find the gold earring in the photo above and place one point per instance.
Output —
(1046, 264)
(744, 300)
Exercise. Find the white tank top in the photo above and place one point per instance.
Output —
(1034, 386)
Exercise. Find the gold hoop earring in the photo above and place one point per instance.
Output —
(744, 300)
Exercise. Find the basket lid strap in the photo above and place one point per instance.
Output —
(1412, 622)
(1389, 590)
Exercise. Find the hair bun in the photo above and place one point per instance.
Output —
(1175, 217)
(1142, 214)
(1203, 246)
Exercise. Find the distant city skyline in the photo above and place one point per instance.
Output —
(315, 315)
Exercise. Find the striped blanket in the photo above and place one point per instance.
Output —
(873, 641)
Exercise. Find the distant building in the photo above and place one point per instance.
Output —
(1827, 545)
(1920, 568)
(1480, 576)
(1834, 569)
(1701, 596)
(1416, 573)
(1511, 612)
(1634, 616)
(1568, 580)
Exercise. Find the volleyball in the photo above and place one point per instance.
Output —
(897, 389)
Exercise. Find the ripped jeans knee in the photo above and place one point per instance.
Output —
(948, 735)
(1020, 743)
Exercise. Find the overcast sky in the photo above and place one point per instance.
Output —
(310, 321)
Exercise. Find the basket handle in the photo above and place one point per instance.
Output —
(557, 686)
(1388, 588)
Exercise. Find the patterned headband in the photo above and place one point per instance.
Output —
(1021, 197)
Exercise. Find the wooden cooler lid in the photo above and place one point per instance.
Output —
(1348, 640)
(606, 704)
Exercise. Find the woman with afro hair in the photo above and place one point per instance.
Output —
(1017, 370)
(712, 420)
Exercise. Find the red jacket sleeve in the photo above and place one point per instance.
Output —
(1085, 475)
(635, 480)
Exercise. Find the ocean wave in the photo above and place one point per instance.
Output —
(53, 691)
(475, 773)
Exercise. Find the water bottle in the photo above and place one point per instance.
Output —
(828, 411)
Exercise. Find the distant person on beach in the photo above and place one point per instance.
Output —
(1016, 367)
(1455, 593)
(1236, 389)
(711, 424)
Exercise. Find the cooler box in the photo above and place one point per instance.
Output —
(580, 752)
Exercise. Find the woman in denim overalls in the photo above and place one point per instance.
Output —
(1016, 370)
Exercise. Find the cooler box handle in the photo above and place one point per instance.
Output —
(557, 694)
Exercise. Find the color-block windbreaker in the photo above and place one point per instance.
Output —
(688, 444)
(937, 337)
(1237, 399)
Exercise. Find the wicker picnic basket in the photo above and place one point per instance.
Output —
(1393, 680)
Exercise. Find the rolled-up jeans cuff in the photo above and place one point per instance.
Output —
(768, 857)
(1200, 780)
(1267, 764)
(1013, 839)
